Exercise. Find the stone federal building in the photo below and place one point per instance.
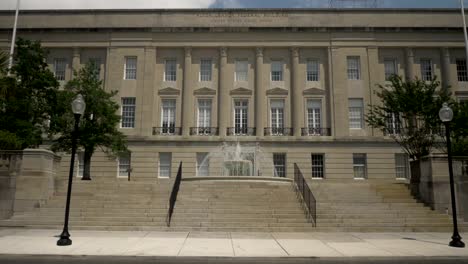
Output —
(250, 92)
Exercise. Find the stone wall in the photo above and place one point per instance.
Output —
(10, 167)
(434, 186)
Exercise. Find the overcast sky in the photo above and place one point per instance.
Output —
(135, 4)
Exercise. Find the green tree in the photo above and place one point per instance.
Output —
(413, 106)
(27, 97)
(98, 125)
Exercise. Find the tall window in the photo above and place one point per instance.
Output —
(204, 112)
(124, 165)
(170, 70)
(314, 112)
(279, 162)
(60, 65)
(276, 71)
(128, 112)
(317, 166)
(165, 161)
(390, 68)
(205, 70)
(203, 164)
(97, 64)
(277, 116)
(393, 124)
(240, 116)
(356, 113)
(168, 116)
(401, 166)
(426, 69)
(80, 171)
(461, 70)
(313, 70)
(354, 68)
(360, 165)
(130, 68)
(241, 70)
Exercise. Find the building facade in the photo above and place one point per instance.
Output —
(250, 92)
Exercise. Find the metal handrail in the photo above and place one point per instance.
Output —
(306, 195)
(173, 197)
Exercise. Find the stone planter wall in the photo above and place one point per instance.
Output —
(10, 168)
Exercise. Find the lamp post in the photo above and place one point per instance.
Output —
(446, 115)
(78, 107)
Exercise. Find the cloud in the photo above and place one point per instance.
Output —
(105, 4)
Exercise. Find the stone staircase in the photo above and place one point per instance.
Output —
(366, 206)
(239, 205)
(101, 205)
(201, 206)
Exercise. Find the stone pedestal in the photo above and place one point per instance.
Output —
(35, 184)
(434, 186)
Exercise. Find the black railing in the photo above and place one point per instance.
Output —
(166, 131)
(241, 131)
(204, 131)
(278, 131)
(316, 131)
(307, 198)
(173, 197)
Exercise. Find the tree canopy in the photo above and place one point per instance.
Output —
(27, 97)
(98, 125)
(409, 114)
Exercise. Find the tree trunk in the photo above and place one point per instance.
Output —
(87, 165)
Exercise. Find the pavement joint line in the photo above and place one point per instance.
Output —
(232, 244)
(183, 244)
(281, 246)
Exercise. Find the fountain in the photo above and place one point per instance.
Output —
(236, 159)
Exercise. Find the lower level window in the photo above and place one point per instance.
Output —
(317, 166)
(203, 164)
(401, 166)
(165, 160)
(279, 162)
(359, 165)
(124, 165)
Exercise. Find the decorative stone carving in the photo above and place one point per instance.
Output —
(295, 51)
(277, 91)
(188, 51)
(204, 91)
(259, 51)
(169, 91)
(241, 91)
(313, 91)
(223, 51)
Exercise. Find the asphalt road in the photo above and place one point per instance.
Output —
(43, 259)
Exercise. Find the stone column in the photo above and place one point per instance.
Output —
(223, 93)
(296, 99)
(259, 93)
(409, 69)
(76, 61)
(447, 80)
(187, 96)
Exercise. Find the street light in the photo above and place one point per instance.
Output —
(78, 108)
(446, 115)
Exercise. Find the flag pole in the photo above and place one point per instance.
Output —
(464, 31)
(13, 39)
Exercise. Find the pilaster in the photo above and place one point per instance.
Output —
(447, 79)
(259, 92)
(187, 95)
(76, 61)
(296, 100)
(409, 67)
(223, 93)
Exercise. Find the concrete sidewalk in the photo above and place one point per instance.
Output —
(150, 243)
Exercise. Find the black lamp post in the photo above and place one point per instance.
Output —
(78, 107)
(446, 115)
